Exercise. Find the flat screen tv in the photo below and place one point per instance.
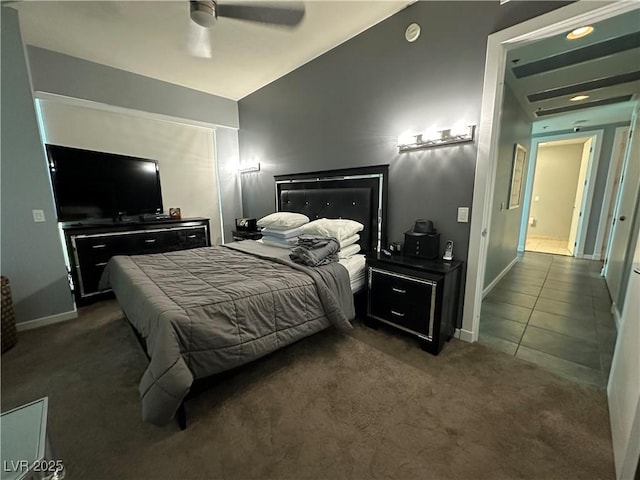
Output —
(97, 185)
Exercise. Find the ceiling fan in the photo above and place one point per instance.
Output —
(206, 12)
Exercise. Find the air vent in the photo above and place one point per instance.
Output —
(584, 87)
(579, 55)
(571, 108)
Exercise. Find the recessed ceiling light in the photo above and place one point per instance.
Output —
(580, 32)
(577, 98)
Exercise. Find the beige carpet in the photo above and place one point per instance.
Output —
(366, 405)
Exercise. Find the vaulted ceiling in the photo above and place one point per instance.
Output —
(158, 39)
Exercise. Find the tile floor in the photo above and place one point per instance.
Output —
(537, 243)
(554, 311)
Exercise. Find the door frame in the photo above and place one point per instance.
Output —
(498, 44)
(608, 198)
(587, 196)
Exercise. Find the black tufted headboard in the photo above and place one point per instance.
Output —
(356, 194)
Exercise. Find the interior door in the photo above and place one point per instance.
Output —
(623, 389)
(577, 201)
(617, 159)
(625, 207)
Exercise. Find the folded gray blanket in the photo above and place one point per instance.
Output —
(314, 251)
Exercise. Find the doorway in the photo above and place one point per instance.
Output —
(558, 190)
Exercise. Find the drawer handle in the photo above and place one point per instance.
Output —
(191, 236)
(150, 240)
(397, 314)
(102, 245)
(101, 264)
(398, 290)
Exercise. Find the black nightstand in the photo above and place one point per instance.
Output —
(246, 235)
(418, 296)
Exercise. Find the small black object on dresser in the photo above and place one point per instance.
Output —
(90, 245)
(418, 296)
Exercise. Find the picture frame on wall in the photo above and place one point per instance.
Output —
(517, 176)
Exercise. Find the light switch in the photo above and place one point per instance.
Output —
(537, 199)
(463, 214)
(38, 215)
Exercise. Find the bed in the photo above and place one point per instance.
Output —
(204, 311)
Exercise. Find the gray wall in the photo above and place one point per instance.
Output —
(31, 255)
(347, 107)
(229, 179)
(61, 74)
(601, 177)
(515, 127)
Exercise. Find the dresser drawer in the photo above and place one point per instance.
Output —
(192, 237)
(404, 301)
(99, 248)
(150, 241)
(90, 274)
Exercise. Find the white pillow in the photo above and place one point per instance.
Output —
(349, 241)
(349, 251)
(340, 229)
(283, 220)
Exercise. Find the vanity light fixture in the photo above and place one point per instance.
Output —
(577, 98)
(436, 138)
(249, 167)
(580, 32)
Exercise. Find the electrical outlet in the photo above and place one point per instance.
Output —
(38, 216)
(463, 214)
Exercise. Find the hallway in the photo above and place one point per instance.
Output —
(553, 311)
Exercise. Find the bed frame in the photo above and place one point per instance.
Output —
(357, 194)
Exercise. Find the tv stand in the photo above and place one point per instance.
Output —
(90, 245)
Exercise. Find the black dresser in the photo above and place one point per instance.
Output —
(91, 245)
(418, 296)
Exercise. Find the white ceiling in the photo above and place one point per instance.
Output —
(152, 38)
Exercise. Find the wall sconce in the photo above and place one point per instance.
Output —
(249, 167)
(436, 138)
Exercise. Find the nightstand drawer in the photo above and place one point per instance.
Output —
(394, 286)
(412, 316)
(404, 301)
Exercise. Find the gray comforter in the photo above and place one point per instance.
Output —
(207, 310)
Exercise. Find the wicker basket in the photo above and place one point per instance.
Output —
(8, 334)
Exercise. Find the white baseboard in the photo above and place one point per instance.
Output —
(466, 335)
(490, 287)
(616, 315)
(41, 322)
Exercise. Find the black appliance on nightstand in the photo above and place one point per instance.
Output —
(416, 295)
(422, 241)
(246, 229)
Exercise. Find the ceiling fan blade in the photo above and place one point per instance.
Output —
(280, 13)
(199, 41)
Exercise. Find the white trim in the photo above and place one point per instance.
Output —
(80, 102)
(466, 336)
(603, 225)
(552, 23)
(587, 197)
(44, 321)
(616, 315)
(500, 276)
